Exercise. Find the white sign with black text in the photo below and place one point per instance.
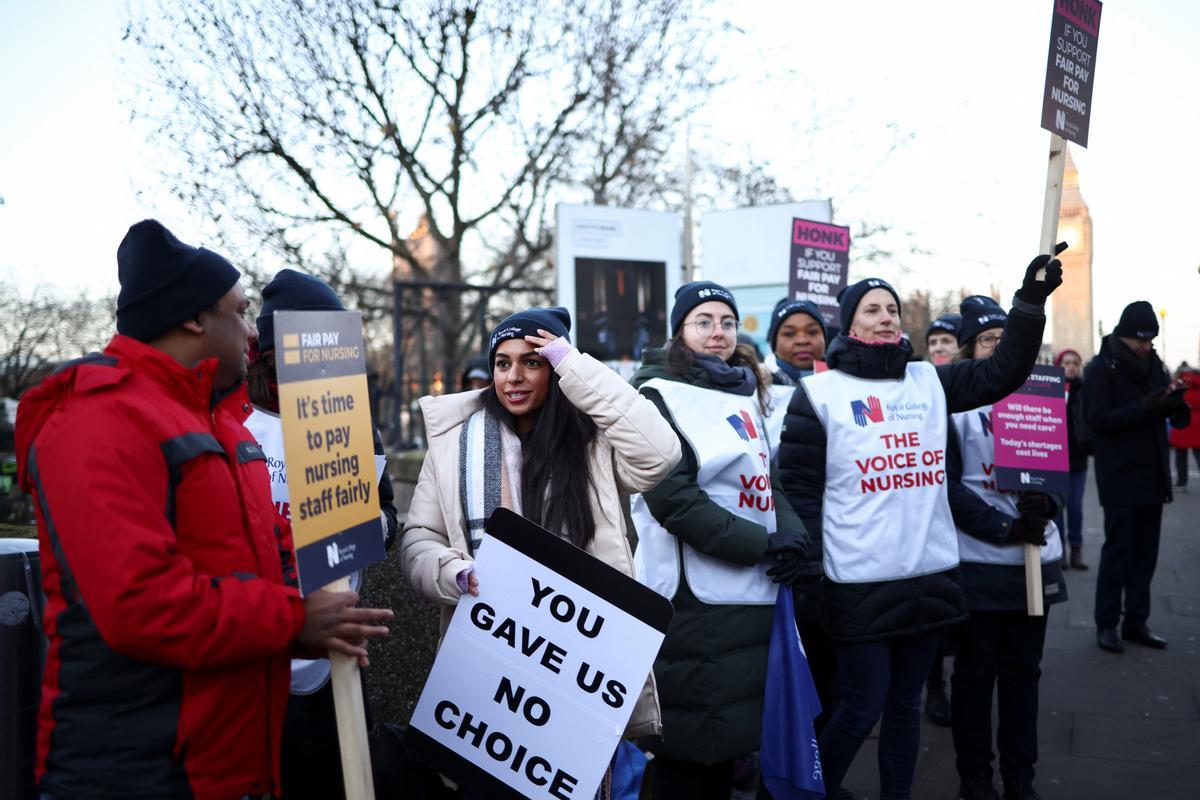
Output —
(536, 678)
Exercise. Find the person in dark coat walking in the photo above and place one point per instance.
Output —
(714, 537)
(862, 462)
(1079, 449)
(1128, 399)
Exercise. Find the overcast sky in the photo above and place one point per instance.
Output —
(958, 83)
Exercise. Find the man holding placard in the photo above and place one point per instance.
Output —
(165, 564)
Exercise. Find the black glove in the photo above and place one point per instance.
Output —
(1164, 402)
(1027, 530)
(789, 569)
(782, 542)
(1034, 291)
(1035, 504)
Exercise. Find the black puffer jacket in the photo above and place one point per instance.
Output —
(862, 612)
(1129, 441)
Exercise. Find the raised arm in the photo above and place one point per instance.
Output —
(646, 445)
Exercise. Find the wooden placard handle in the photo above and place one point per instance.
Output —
(1055, 167)
(351, 719)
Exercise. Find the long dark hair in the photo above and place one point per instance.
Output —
(680, 359)
(556, 482)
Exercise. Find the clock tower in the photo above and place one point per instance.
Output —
(1072, 302)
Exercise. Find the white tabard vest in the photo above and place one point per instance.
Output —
(978, 454)
(308, 675)
(885, 509)
(729, 437)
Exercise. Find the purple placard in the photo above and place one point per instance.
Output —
(1030, 430)
(1071, 69)
(820, 263)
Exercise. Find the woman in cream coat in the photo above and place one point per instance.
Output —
(555, 423)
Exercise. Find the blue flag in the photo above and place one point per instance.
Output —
(791, 762)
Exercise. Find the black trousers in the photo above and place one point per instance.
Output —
(311, 763)
(1001, 651)
(1127, 563)
(822, 663)
(1181, 465)
(685, 780)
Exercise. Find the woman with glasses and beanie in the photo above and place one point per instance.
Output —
(999, 649)
(863, 462)
(713, 537)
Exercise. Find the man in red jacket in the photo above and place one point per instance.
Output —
(172, 605)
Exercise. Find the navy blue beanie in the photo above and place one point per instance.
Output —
(695, 293)
(784, 309)
(556, 320)
(290, 290)
(852, 295)
(946, 323)
(979, 313)
(165, 282)
(1138, 321)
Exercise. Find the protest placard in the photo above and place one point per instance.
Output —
(328, 444)
(536, 677)
(1029, 429)
(329, 455)
(819, 265)
(1030, 432)
(1071, 69)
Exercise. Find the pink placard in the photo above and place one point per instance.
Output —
(1030, 433)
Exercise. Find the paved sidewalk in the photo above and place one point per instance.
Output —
(1111, 726)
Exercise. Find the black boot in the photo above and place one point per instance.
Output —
(1140, 633)
(1021, 791)
(1108, 640)
(978, 787)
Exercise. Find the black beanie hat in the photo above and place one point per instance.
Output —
(695, 293)
(165, 282)
(784, 309)
(852, 295)
(556, 320)
(946, 323)
(290, 290)
(477, 367)
(979, 312)
(1138, 321)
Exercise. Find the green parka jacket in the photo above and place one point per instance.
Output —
(712, 668)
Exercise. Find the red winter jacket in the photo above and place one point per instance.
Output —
(164, 569)
(1189, 437)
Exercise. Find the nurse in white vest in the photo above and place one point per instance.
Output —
(1000, 648)
(714, 537)
(310, 764)
(862, 460)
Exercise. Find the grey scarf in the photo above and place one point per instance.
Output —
(735, 380)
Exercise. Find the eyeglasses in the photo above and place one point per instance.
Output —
(705, 326)
(988, 339)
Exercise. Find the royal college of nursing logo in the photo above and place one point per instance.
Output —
(743, 425)
(332, 555)
(871, 410)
